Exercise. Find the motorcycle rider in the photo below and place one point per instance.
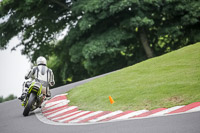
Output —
(41, 73)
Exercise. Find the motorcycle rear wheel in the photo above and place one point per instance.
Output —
(28, 106)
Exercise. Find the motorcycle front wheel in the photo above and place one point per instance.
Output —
(28, 106)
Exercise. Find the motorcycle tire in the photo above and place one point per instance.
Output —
(28, 106)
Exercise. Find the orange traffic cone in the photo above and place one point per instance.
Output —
(111, 100)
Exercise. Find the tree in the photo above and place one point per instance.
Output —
(8, 98)
(36, 22)
(114, 34)
(1, 99)
(103, 35)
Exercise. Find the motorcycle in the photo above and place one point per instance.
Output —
(33, 98)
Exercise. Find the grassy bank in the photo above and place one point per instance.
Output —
(165, 81)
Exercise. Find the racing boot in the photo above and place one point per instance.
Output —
(22, 97)
(48, 95)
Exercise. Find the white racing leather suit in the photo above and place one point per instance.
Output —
(44, 75)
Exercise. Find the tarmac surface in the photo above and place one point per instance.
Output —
(12, 121)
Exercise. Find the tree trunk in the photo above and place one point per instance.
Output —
(145, 43)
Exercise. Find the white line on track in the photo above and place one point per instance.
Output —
(130, 115)
(74, 116)
(54, 103)
(63, 116)
(57, 105)
(62, 111)
(106, 116)
(86, 116)
(194, 109)
(165, 111)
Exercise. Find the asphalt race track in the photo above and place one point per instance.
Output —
(12, 121)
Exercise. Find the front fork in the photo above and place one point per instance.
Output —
(25, 101)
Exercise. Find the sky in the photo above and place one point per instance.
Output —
(13, 68)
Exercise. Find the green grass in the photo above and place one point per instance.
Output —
(165, 81)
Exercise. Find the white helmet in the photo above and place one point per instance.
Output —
(41, 61)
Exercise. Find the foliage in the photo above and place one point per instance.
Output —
(36, 22)
(102, 36)
(8, 98)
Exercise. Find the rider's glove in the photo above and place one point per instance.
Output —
(52, 83)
